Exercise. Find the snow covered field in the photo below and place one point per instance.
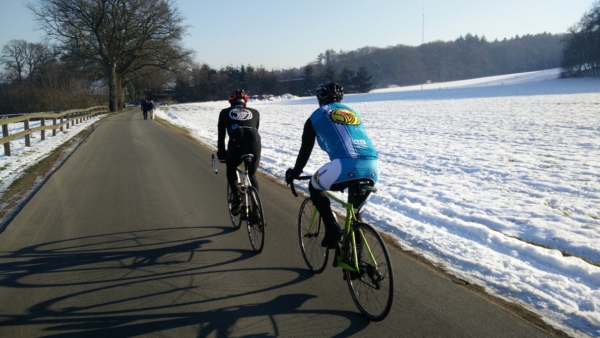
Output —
(497, 179)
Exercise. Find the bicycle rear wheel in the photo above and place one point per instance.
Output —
(255, 221)
(372, 288)
(236, 220)
(315, 256)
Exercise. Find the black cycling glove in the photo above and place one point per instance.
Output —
(291, 174)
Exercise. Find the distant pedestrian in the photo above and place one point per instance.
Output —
(144, 108)
(151, 108)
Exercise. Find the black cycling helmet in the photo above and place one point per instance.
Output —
(328, 92)
(238, 96)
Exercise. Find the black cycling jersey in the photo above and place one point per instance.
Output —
(241, 125)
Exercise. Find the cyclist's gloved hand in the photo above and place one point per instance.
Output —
(221, 154)
(290, 174)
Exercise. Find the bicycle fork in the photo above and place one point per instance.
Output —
(372, 270)
(244, 194)
(244, 204)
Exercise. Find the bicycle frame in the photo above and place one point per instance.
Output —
(348, 235)
(242, 183)
(363, 256)
(245, 181)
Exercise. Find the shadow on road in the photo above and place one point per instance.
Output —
(143, 282)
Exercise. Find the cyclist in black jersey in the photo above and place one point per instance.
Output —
(241, 124)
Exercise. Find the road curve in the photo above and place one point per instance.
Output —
(131, 237)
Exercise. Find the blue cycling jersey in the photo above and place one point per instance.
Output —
(341, 133)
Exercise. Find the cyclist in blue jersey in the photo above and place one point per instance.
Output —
(340, 132)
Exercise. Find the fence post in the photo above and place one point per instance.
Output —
(28, 136)
(62, 125)
(54, 129)
(7, 144)
(43, 120)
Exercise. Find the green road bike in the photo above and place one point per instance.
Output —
(362, 253)
(251, 210)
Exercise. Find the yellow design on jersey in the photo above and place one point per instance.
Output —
(345, 116)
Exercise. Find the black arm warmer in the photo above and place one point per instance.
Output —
(222, 130)
(308, 142)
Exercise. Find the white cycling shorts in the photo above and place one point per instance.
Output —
(344, 169)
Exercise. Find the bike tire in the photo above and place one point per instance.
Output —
(236, 220)
(315, 256)
(372, 291)
(255, 221)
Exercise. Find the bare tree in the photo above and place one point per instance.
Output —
(127, 38)
(23, 60)
(581, 51)
(14, 58)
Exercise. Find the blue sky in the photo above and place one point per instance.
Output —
(278, 34)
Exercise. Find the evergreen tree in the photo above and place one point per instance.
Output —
(362, 80)
(329, 74)
(346, 79)
(309, 82)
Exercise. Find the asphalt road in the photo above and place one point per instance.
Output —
(131, 237)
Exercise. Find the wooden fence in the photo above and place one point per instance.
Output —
(60, 121)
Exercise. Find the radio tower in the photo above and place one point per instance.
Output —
(423, 33)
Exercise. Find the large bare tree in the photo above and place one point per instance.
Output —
(125, 38)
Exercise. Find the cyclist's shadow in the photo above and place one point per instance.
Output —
(244, 320)
(145, 250)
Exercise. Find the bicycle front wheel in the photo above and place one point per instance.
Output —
(372, 287)
(236, 219)
(255, 221)
(311, 232)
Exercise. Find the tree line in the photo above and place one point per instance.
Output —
(366, 68)
(468, 56)
(581, 53)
